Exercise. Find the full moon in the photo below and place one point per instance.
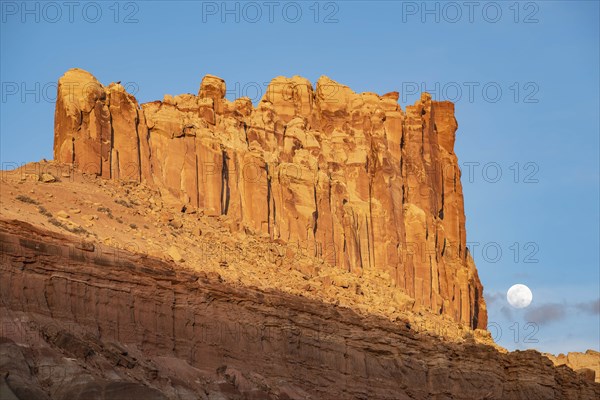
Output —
(519, 296)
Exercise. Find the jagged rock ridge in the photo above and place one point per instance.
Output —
(350, 177)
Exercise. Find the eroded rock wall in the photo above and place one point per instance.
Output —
(93, 323)
(587, 363)
(349, 177)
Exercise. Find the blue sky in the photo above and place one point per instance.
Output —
(532, 114)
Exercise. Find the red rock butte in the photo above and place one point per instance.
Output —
(350, 177)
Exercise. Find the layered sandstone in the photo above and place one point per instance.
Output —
(587, 363)
(130, 215)
(350, 178)
(88, 322)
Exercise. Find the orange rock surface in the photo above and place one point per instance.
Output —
(347, 177)
(585, 363)
(81, 320)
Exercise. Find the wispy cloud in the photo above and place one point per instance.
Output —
(546, 313)
(494, 297)
(542, 313)
(590, 307)
(498, 299)
(506, 312)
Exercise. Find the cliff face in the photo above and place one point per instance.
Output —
(587, 363)
(86, 322)
(350, 178)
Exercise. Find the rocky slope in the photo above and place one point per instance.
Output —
(127, 215)
(312, 247)
(80, 322)
(351, 178)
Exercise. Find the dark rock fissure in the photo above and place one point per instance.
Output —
(225, 190)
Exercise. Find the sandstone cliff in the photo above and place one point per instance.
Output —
(586, 363)
(350, 178)
(81, 323)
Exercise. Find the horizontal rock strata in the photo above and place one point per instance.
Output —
(80, 324)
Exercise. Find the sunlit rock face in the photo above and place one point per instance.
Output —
(98, 322)
(586, 364)
(351, 178)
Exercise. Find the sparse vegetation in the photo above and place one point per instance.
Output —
(133, 226)
(78, 230)
(107, 211)
(123, 203)
(73, 229)
(26, 199)
(55, 222)
(44, 212)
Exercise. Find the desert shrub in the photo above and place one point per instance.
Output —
(44, 212)
(123, 203)
(26, 199)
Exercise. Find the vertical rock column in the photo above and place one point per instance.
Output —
(100, 129)
(82, 123)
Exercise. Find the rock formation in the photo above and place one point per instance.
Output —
(350, 178)
(80, 323)
(587, 363)
(311, 247)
